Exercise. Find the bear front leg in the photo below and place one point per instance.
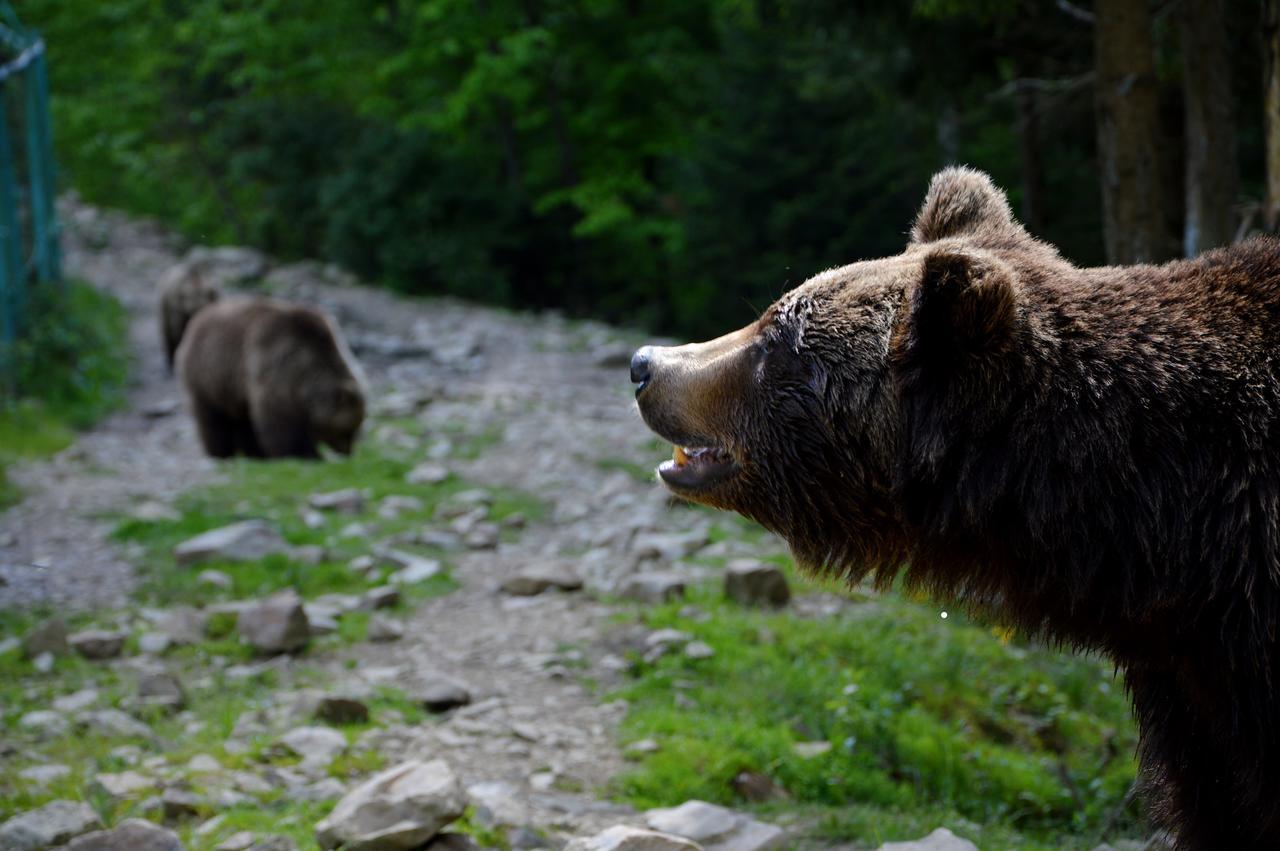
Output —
(217, 431)
(283, 430)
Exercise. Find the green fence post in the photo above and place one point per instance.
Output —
(11, 282)
(44, 219)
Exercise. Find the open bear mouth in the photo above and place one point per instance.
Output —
(697, 467)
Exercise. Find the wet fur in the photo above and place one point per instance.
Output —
(1092, 455)
(270, 380)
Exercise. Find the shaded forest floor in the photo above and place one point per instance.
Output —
(505, 449)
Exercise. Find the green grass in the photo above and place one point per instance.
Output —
(930, 722)
(69, 370)
(278, 492)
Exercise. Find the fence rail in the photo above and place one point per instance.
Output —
(29, 251)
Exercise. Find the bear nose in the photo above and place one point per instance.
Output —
(640, 363)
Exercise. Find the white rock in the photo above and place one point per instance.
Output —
(716, 828)
(383, 628)
(43, 775)
(53, 824)
(427, 473)
(699, 650)
(623, 838)
(214, 579)
(657, 586)
(809, 750)
(45, 723)
(316, 745)
(940, 840)
(113, 723)
(248, 540)
(76, 701)
(346, 501)
(126, 784)
(399, 808)
(542, 577)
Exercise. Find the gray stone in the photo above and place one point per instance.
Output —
(112, 723)
(43, 775)
(274, 842)
(427, 473)
(338, 709)
(484, 536)
(316, 745)
(77, 700)
(383, 628)
(45, 723)
(161, 689)
(97, 643)
(624, 838)
(154, 511)
(542, 577)
(652, 587)
(393, 506)
(153, 643)
(124, 785)
(381, 597)
(55, 823)
(699, 650)
(346, 501)
(311, 554)
(178, 804)
(276, 625)
(940, 840)
(399, 808)
(668, 546)
(716, 828)
(449, 841)
(247, 540)
(415, 571)
(235, 842)
(756, 583)
(443, 694)
(48, 637)
(214, 579)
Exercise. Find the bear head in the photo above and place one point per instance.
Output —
(798, 420)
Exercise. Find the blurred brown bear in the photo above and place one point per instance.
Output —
(268, 379)
(1092, 455)
(184, 291)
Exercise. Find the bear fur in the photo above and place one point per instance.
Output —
(268, 379)
(1092, 455)
(184, 291)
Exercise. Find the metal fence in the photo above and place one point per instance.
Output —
(28, 217)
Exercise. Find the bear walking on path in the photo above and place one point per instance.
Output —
(270, 380)
(1092, 455)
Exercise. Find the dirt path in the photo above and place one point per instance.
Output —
(554, 398)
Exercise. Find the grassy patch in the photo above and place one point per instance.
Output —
(278, 492)
(918, 720)
(69, 370)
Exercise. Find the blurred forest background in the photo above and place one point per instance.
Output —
(669, 164)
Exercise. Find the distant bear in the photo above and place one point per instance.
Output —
(1092, 455)
(270, 380)
(184, 290)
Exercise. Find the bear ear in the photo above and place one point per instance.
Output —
(961, 201)
(965, 304)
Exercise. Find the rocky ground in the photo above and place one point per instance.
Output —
(377, 717)
(532, 749)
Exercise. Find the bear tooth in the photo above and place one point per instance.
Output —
(679, 456)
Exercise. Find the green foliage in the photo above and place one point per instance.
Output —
(673, 165)
(921, 715)
(69, 370)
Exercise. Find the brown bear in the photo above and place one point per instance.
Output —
(268, 379)
(183, 292)
(1092, 455)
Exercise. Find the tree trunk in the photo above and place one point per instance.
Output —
(1212, 169)
(1127, 126)
(1030, 161)
(1271, 109)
